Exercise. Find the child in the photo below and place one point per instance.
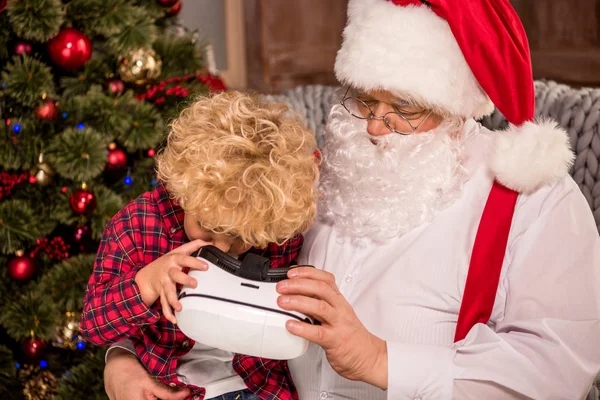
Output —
(235, 173)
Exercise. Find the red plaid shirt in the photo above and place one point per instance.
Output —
(147, 228)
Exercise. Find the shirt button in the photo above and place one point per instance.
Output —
(172, 384)
(173, 230)
(196, 397)
(186, 343)
(348, 278)
(323, 395)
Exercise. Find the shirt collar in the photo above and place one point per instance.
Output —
(171, 213)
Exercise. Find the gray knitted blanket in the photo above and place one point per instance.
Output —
(576, 110)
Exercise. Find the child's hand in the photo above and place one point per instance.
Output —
(158, 279)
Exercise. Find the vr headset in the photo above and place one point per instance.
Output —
(234, 307)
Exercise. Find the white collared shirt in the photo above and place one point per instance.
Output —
(543, 339)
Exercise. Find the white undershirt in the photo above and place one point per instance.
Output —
(203, 366)
(211, 369)
(542, 339)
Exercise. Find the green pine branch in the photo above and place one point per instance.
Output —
(31, 311)
(20, 225)
(105, 114)
(66, 282)
(95, 71)
(146, 129)
(109, 203)
(180, 55)
(27, 79)
(138, 33)
(86, 377)
(76, 154)
(19, 151)
(10, 389)
(4, 36)
(101, 17)
(37, 20)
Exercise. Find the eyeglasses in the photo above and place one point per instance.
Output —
(393, 120)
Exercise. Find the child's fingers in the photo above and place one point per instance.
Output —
(178, 276)
(166, 307)
(190, 247)
(171, 295)
(190, 262)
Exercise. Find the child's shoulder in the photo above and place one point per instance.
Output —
(150, 206)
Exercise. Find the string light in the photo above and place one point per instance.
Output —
(17, 128)
(153, 182)
(65, 115)
(17, 366)
(81, 345)
(151, 153)
(128, 180)
(43, 364)
(81, 126)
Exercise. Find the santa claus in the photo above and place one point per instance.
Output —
(453, 262)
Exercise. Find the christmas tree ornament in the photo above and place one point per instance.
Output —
(70, 49)
(67, 334)
(22, 48)
(139, 66)
(115, 87)
(3, 4)
(47, 111)
(173, 11)
(21, 267)
(167, 3)
(116, 158)
(38, 384)
(83, 201)
(33, 348)
(41, 173)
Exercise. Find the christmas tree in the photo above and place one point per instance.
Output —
(87, 89)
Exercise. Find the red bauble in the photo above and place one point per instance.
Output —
(3, 4)
(173, 11)
(33, 348)
(48, 111)
(117, 159)
(83, 201)
(21, 268)
(167, 3)
(115, 87)
(22, 48)
(70, 49)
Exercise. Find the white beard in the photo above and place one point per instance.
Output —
(383, 190)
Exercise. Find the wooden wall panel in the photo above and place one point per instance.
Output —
(292, 42)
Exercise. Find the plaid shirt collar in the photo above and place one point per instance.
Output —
(171, 214)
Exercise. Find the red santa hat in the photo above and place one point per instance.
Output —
(459, 59)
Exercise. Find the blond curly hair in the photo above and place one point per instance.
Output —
(242, 167)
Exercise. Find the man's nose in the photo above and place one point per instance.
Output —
(375, 125)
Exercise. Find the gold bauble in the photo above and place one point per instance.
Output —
(42, 172)
(139, 66)
(67, 334)
(39, 384)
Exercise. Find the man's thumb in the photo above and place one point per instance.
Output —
(164, 392)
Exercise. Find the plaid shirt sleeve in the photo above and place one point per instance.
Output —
(113, 306)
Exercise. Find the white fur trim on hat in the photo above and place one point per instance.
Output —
(411, 52)
(530, 156)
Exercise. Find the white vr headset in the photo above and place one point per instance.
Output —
(234, 307)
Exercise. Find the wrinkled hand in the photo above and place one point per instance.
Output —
(351, 349)
(125, 378)
(160, 277)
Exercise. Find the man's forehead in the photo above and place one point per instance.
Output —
(384, 96)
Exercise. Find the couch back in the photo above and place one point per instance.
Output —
(576, 110)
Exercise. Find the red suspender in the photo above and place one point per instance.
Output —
(486, 260)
